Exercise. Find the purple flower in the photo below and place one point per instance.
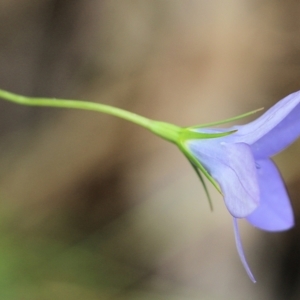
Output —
(240, 163)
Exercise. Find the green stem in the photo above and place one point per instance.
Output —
(165, 130)
(76, 104)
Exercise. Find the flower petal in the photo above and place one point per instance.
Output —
(280, 137)
(274, 212)
(274, 130)
(233, 167)
(240, 250)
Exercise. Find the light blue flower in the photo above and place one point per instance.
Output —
(235, 160)
(241, 165)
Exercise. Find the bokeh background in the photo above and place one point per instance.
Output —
(93, 207)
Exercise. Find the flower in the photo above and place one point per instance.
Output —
(241, 165)
(236, 160)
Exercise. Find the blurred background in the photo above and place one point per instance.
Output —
(93, 207)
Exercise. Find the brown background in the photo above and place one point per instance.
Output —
(93, 207)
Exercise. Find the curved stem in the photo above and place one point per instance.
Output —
(76, 104)
(167, 131)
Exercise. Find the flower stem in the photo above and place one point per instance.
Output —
(165, 130)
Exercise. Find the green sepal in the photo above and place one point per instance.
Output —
(199, 166)
(206, 174)
(228, 120)
(204, 185)
(190, 134)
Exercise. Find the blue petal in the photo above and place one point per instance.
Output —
(280, 137)
(233, 167)
(274, 212)
(240, 249)
(274, 130)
